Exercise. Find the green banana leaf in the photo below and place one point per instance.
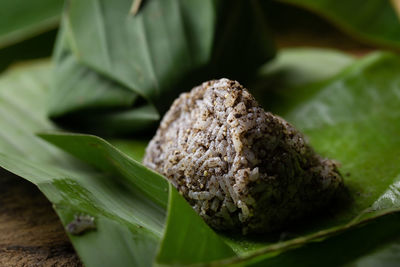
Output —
(347, 248)
(352, 117)
(85, 94)
(283, 78)
(27, 29)
(296, 67)
(372, 21)
(23, 19)
(143, 61)
(385, 255)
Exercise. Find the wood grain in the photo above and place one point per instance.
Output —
(30, 231)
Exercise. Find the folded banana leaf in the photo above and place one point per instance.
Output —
(116, 72)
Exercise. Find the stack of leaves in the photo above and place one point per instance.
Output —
(115, 72)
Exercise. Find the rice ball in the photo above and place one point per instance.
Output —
(239, 167)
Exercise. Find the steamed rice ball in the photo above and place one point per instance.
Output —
(239, 167)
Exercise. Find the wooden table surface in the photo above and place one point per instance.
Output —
(30, 231)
